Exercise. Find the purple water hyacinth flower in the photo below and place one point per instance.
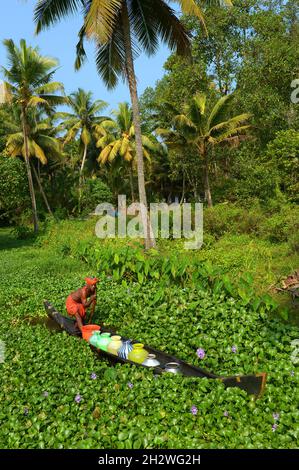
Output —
(200, 353)
(276, 416)
(26, 411)
(226, 414)
(46, 394)
(93, 376)
(78, 398)
(274, 427)
(292, 373)
(234, 349)
(194, 410)
(130, 385)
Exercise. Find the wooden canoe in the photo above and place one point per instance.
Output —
(253, 384)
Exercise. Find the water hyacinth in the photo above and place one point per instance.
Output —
(93, 376)
(200, 353)
(194, 410)
(234, 349)
(130, 385)
(276, 416)
(46, 394)
(26, 411)
(274, 427)
(226, 414)
(78, 398)
(292, 373)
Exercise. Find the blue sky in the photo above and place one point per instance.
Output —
(16, 22)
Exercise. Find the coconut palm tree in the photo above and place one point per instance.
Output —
(201, 128)
(121, 29)
(82, 121)
(41, 138)
(29, 83)
(116, 138)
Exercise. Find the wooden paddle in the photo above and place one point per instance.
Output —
(93, 307)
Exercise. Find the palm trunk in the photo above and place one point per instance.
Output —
(81, 176)
(132, 182)
(83, 161)
(130, 70)
(208, 195)
(184, 184)
(28, 168)
(42, 191)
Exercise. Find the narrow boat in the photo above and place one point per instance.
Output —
(253, 384)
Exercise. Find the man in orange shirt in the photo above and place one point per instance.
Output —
(77, 303)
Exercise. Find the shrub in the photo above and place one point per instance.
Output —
(94, 192)
(283, 153)
(229, 218)
(14, 192)
(22, 232)
(281, 226)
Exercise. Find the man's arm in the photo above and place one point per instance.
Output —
(86, 303)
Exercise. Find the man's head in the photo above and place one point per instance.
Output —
(91, 283)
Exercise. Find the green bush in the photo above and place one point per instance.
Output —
(229, 218)
(94, 192)
(14, 192)
(283, 153)
(22, 232)
(281, 226)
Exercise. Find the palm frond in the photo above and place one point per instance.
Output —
(115, 150)
(182, 121)
(49, 88)
(190, 7)
(219, 111)
(128, 157)
(80, 49)
(104, 155)
(37, 101)
(124, 146)
(104, 141)
(231, 123)
(101, 19)
(111, 58)
(72, 133)
(54, 100)
(48, 12)
(154, 21)
(230, 134)
(85, 136)
(39, 153)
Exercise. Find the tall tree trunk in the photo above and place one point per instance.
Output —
(42, 191)
(208, 195)
(28, 168)
(184, 184)
(132, 181)
(83, 161)
(81, 176)
(149, 237)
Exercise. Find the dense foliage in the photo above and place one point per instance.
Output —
(14, 194)
(251, 52)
